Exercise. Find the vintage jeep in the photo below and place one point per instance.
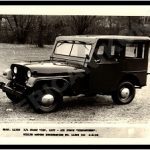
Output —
(89, 65)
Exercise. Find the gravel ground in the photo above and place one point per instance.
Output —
(75, 110)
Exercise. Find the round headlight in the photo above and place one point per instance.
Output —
(15, 70)
(29, 74)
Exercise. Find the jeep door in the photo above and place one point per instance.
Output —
(105, 66)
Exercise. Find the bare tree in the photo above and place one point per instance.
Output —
(1, 21)
(20, 25)
(40, 30)
(80, 24)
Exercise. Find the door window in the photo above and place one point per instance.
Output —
(101, 50)
(109, 50)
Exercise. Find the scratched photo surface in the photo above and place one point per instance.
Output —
(31, 38)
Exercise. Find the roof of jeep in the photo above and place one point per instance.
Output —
(94, 38)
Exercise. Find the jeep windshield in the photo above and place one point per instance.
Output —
(73, 48)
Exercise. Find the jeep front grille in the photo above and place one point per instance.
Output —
(21, 75)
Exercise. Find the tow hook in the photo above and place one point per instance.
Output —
(2, 84)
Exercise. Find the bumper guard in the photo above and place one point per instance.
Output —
(9, 90)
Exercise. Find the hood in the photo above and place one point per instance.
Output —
(50, 68)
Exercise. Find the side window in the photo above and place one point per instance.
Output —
(135, 50)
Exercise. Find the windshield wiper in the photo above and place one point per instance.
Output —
(81, 42)
(61, 42)
(84, 44)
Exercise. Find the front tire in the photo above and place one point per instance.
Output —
(124, 94)
(45, 100)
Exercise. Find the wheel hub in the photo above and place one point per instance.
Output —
(125, 92)
(47, 99)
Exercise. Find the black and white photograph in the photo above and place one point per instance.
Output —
(75, 78)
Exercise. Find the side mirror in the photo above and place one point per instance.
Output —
(87, 56)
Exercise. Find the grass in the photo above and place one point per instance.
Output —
(25, 52)
(11, 53)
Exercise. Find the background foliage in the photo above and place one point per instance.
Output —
(40, 30)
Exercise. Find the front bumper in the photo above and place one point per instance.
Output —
(9, 90)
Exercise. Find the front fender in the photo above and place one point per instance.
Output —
(58, 83)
